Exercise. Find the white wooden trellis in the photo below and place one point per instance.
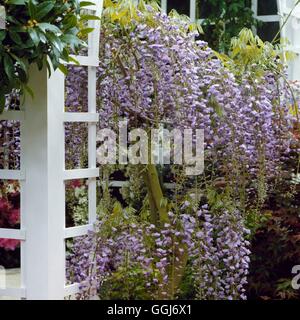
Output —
(43, 175)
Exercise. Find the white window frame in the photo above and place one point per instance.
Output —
(264, 18)
(288, 32)
(193, 11)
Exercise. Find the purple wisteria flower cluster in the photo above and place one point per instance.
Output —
(221, 256)
(10, 144)
(216, 248)
(152, 75)
(111, 254)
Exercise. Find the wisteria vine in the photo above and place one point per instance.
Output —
(152, 75)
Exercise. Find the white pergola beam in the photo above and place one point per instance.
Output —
(14, 234)
(81, 117)
(78, 231)
(12, 174)
(80, 174)
(18, 293)
(85, 61)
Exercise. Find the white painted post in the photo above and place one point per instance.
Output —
(193, 10)
(290, 31)
(254, 9)
(43, 202)
(92, 127)
(164, 5)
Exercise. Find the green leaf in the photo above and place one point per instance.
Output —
(86, 31)
(72, 59)
(44, 26)
(87, 17)
(56, 42)
(22, 62)
(63, 69)
(29, 90)
(32, 9)
(2, 102)
(86, 4)
(2, 35)
(40, 32)
(16, 2)
(9, 67)
(49, 68)
(16, 38)
(71, 39)
(70, 22)
(43, 9)
(34, 36)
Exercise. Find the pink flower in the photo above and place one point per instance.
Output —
(75, 183)
(9, 244)
(14, 217)
(4, 205)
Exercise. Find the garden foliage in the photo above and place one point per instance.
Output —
(36, 31)
(224, 19)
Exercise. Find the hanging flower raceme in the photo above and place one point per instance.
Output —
(221, 256)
